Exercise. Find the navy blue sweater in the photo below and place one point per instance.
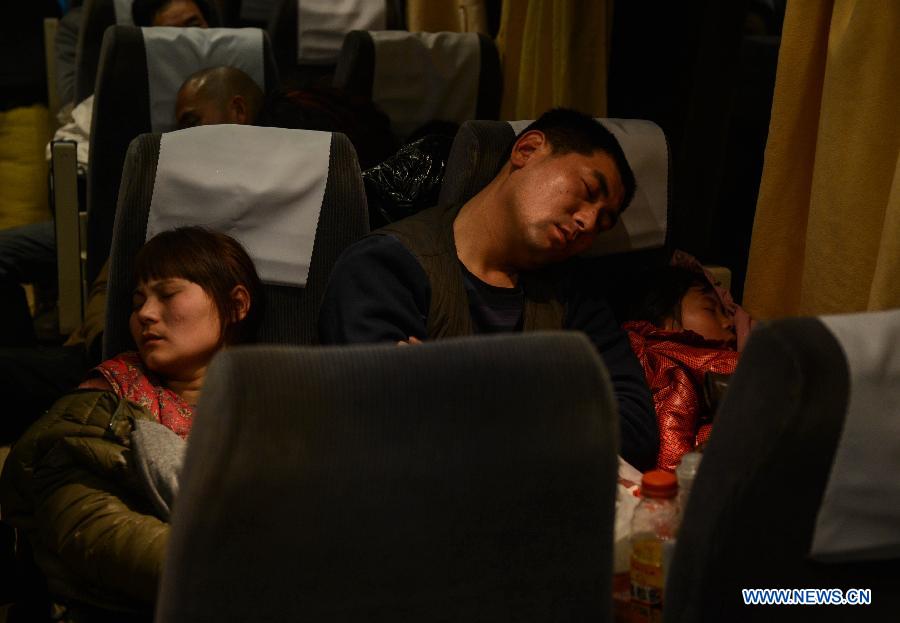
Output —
(378, 292)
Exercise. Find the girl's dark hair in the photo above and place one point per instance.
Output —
(656, 295)
(214, 261)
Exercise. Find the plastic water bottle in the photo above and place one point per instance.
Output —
(686, 472)
(653, 529)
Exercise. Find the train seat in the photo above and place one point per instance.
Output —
(141, 71)
(307, 34)
(797, 487)
(442, 482)
(294, 198)
(416, 78)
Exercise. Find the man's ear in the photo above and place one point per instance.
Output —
(526, 146)
(239, 111)
(241, 298)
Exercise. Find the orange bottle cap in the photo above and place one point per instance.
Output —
(659, 484)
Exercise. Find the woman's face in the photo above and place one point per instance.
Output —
(176, 327)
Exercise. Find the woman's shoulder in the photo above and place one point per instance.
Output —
(122, 374)
(128, 378)
(78, 419)
(84, 413)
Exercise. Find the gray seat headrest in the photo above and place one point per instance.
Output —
(322, 24)
(263, 186)
(123, 12)
(420, 77)
(859, 518)
(173, 54)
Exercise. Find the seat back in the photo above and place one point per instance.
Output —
(97, 16)
(294, 198)
(810, 409)
(416, 78)
(257, 13)
(442, 482)
(140, 73)
(307, 34)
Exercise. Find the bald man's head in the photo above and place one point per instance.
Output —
(218, 95)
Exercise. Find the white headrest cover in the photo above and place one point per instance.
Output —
(420, 77)
(322, 24)
(123, 12)
(859, 518)
(173, 54)
(257, 10)
(643, 225)
(263, 186)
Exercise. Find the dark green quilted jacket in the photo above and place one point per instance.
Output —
(70, 486)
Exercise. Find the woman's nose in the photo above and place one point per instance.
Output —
(147, 312)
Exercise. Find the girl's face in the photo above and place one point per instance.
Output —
(702, 313)
(176, 327)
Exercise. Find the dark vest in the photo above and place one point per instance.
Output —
(429, 237)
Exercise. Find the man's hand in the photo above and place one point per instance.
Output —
(412, 340)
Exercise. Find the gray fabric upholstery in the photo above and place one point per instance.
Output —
(122, 112)
(859, 518)
(291, 313)
(355, 72)
(98, 15)
(479, 150)
(283, 33)
(750, 519)
(256, 12)
(441, 482)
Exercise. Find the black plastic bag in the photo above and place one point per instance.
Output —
(407, 182)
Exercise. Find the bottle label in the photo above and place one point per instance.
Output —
(647, 580)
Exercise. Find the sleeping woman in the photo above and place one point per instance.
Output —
(75, 483)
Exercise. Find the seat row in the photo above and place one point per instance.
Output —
(295, 198)
(140, 70)
(391, 492)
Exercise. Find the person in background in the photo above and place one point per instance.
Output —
(499, 262)
(33, 375)
(218, 95)
(686, 342)
(178, 13)
(97, 524)
(333, 110)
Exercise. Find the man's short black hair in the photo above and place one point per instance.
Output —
(571, 131)
(656, 295)
(143, 11)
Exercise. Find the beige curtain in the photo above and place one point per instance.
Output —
(554, 53)
(446, 15)
(826, 238)
(23, 169)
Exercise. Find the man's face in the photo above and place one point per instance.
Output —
(193, 109)
(561, 202)
(181, 13)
